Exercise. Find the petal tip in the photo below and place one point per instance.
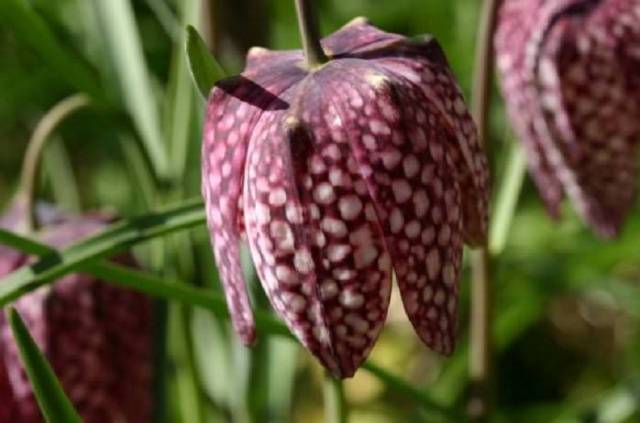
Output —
(256, 51)
(358, 21)
(248, 337)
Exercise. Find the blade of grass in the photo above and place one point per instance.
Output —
(147, 283)
(58, 168)
(181, 97)
(114, 238)
(507, 199)
(117, 20)
(205, 70)
(53, 402)
(165, 16)
(187, 383)
(398, 386)
(172, 290)
(30, 29)
(139, 171)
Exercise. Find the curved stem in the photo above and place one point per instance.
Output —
(310, 34)
(334, 401)
(31, 163)
(479, 406)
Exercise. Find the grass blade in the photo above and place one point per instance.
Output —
(174, 290)
(117, 20)
(181, 118)
(116, 237)
(30, 29)
(399, 387)
(205, 70)
(147, 283)
(165, 17)
(53, 402)
(507, 199)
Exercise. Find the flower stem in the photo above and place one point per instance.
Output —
(479, 407)
(31, 163)
(335, 405)
(310, 34)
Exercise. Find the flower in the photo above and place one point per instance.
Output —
(97, 337)
(570, 76)
(339, 176)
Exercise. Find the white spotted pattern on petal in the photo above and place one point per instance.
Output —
(411, 206)
(224, 150)
(339, 277)
(358, 169)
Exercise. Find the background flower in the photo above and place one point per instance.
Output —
(568, 76)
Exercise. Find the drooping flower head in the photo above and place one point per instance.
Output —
(571, 77)
(341, 175)
(97, 337)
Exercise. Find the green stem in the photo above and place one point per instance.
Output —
(31, 163)
(479, 406)
(335, 406)
(310, 34)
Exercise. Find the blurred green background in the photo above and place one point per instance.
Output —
(567, 306)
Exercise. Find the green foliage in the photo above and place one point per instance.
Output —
(123, 43)
(205, 70)
(33, 32)
(175, 291)
(109, 241)
(54, 403)
(566, 305)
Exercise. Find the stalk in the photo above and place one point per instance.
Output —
(309, 33)
(31, 164)
(479, 406)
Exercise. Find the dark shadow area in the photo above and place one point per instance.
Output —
(424, 46)
(248, 91)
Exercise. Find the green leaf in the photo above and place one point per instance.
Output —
(30, 29)
(53, 402)
(147, 283)
(115, 238)
(165, 17)
(174, 290)
(117, 20)
(205, 70)
(182, 120)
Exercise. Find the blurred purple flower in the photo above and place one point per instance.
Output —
(571, 77)
(96, 336)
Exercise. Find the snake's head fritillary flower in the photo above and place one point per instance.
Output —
(97, 337)
(340, 176)
(570, 75)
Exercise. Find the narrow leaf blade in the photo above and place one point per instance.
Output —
(215, 303)
(53, 402)
(115, 238)
(117, 19)
(205, 70)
